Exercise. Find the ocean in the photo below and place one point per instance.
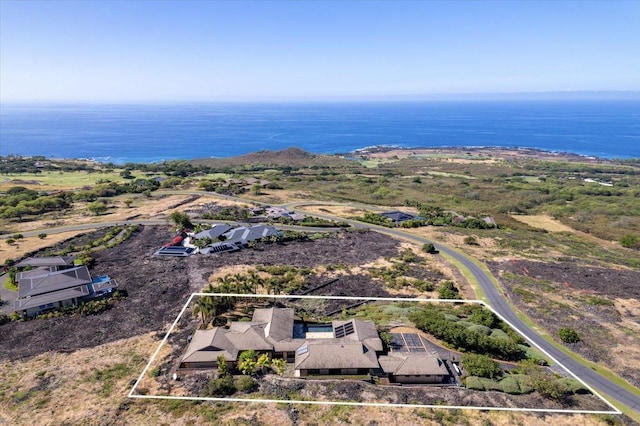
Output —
(153, 133)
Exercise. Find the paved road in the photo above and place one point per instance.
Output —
(493, 297)
(498, 302)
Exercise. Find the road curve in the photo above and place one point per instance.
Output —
(499, 303)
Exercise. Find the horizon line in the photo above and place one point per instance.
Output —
(474, 96)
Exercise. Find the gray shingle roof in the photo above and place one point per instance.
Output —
(279, 322)
(243, 233)
(56, 296)
(46, 261)
(33, 283)
(214, 232)
(412, 364)
(208, 345)
(397, 216)
(327, 354)
(363, 331)
(246, 336)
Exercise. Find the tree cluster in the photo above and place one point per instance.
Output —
(433, 321)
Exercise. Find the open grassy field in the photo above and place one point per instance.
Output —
(51, 180)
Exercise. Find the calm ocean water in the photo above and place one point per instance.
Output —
(146, 133)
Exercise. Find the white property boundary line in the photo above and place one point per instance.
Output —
(361, 404)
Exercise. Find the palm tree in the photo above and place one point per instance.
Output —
(207, 308)
(254, 281)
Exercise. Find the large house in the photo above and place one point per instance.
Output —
(342, 347)
(228, 238)
(345, 347)
(55, 283)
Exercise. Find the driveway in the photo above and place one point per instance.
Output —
(7, 296)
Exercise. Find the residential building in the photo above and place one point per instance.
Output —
(43, 290)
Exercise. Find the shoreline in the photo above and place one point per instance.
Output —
(399, 152)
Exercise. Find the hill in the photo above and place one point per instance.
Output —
(294, 157)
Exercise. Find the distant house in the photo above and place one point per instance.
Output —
(412, 367)
(244, 234)
(277, 212)
(214, 233)
(42, 290)
(397, 216)
(233, 238)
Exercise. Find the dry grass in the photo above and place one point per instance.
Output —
(340, 211)
(57, 388)
(543, 222)
(149, 208)
(29, 244)
(629, 350)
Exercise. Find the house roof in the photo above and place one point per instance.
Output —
(37, 282)
(397, 216)
(243, 233)
(412, 364)
(46, 298)
(215, 231)
(46, 261)
(328, 353)
(279, 322)
(359, 331)
(208, 345)
(246, 336)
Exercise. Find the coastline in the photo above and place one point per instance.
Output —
(388, 152)
(394, 152)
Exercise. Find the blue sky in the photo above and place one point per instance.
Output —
(244, 50)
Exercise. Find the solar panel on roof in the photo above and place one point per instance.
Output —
(344, 330)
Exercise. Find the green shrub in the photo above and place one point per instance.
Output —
(480, 329)
(471, 241)
(497, 333)
(429, 248)
(481, 366)
(573, 385)
(246, 384)
(630, 241)
(473, 383)
(448, 290)
(568, 335)
(222, 386)
(511, 385)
